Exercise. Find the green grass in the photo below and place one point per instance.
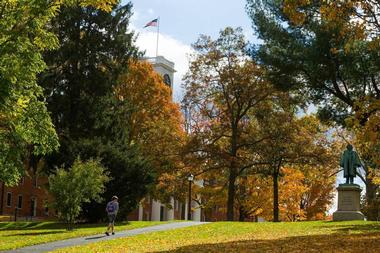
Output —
(20, 234)
(358, 236)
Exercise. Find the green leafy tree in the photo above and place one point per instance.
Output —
(95, 47)
(83, 182)
(25, 126)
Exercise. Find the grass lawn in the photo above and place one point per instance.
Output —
(20, 234)
(358, 236)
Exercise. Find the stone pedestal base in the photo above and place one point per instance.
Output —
(348, 203)
(347, 215)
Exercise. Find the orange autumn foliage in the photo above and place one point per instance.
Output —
(291, 191)
(153, 120)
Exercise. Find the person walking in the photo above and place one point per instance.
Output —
(111, 209)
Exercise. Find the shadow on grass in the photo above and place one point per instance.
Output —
(341, 227)
(35, 233)
(338, 242)
(49, 225)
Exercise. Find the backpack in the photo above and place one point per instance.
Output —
(110, 207)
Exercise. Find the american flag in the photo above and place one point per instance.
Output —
(154, 22)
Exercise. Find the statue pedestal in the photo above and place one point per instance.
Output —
(348, 203)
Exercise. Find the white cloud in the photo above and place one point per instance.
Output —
(150, 11)
(172, 49)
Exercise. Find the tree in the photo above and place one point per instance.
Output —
(295, 141)
(25, 123)
(82, 183)
(153, 122)
(222, 87)
(95, 47)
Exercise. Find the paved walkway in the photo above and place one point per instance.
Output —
(98, 238)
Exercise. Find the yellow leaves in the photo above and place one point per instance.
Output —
(366, 121)
(105, 5)
(337, 17)
(23, 102)
(292, 9)
(292, 190)
(334, 50)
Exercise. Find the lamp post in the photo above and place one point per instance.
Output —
(190, 178)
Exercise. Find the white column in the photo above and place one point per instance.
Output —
(156, 208)
(141, 211)
(186, 209)
(170, 213)
(197, 212)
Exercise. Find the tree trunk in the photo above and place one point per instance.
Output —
(275, 198)
(233, 173)
(241, 213)
(372, 205)
(231, 194)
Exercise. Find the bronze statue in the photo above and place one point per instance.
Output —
(350, 161)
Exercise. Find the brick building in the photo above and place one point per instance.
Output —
(29, 199)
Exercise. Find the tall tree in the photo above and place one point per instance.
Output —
(153, 122)
(222, 87)
(25, 123)
(95, 49)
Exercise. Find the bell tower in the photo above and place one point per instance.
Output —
(165, 68)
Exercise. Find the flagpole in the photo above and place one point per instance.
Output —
(158, 34)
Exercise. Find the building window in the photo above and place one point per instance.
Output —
(33, 207)
(19, 202)
(46, 207)
(22, 181)
(9, 199)
(167, 80)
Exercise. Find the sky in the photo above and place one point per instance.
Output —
(181, 23)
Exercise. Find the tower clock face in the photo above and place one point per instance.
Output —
(167, 80)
